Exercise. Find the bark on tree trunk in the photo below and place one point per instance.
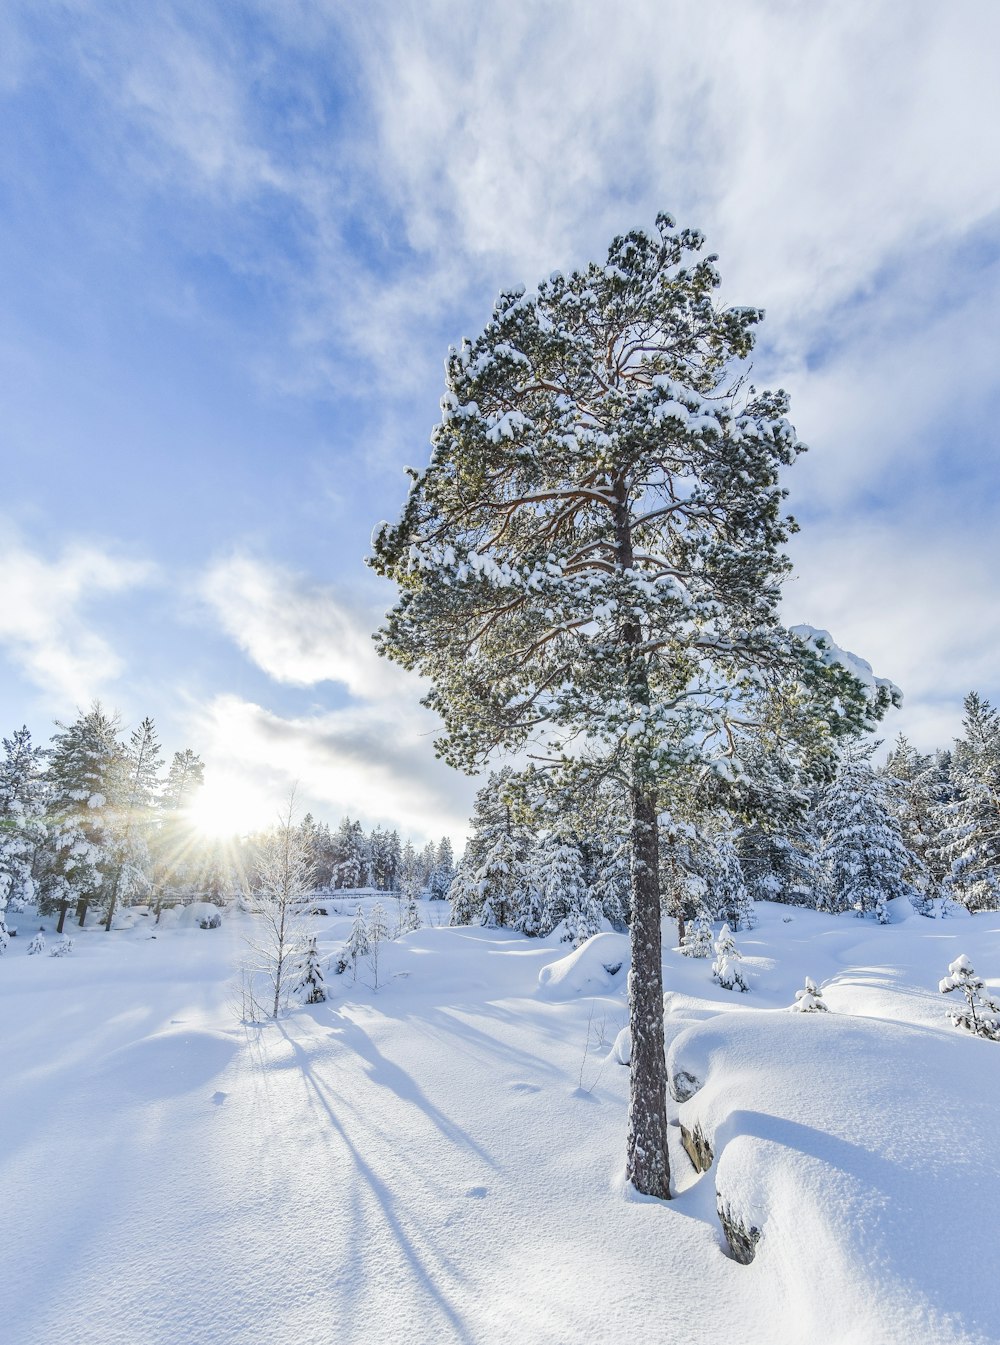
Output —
(63, 908)
(647, 1161)
(81, 909)
(114, 900)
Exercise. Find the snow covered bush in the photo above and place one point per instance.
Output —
(726, 968)
(809, 999)
(981, 1014)
(37, 944)
(61, 949)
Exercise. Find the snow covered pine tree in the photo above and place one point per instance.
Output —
(309, 987)
(593, 555)
(864, 859)
(22, 828)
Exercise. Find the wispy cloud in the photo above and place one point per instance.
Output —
(922, 612)
(300, 632)
(372, 758)
(378, 173)
(372, 762)
(47, 629)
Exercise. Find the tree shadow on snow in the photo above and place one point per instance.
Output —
(427, 1268)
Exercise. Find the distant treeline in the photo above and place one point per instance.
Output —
(94, 820)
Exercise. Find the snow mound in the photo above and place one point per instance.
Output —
(199, 915)
(598, 965)
(820, 1149)
(167, 1064)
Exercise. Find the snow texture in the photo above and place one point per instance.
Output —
(440, 1160)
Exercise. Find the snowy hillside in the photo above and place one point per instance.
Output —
(440, 1159)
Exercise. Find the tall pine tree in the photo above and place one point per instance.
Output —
(592, 560)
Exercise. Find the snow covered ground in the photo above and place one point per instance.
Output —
(439, 1159)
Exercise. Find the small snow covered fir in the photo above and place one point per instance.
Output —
(726, 967)
(697, 941)
(37, 944)
(411, 916)
(61, 949)
(357, 940)
(810, 999)
(981, 1014)
(309, 987)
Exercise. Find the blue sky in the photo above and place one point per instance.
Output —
(236, 240)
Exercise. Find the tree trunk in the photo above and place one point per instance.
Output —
(81, 909)
(647, 1161)
(114, 899)
(63, 908)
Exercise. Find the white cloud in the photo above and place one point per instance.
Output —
(477, 146)
(372, 762)
(299, 632)
(922, 612)
(838, 155)
(372, 758)
(43, 617)
(811, 141)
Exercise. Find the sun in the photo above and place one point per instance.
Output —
(222, 809)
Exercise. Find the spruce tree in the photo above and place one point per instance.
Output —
(726, 967)
(611, 887)
(308, 985)
(697, 940)
(132, 817)
(178, 848)
(865, 861)
(409, 872)
(919, 790)
(728, 894)
(85, 778)
(411, 915)
(592, 562)
(491, 883)
(557, 872)
(970, 842)
(427, 863)
(464, 895)
(443, 871)
(357, 940)
(393, 860)
(22, 825)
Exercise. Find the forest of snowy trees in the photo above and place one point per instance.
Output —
(94, 821)
(925, 826)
